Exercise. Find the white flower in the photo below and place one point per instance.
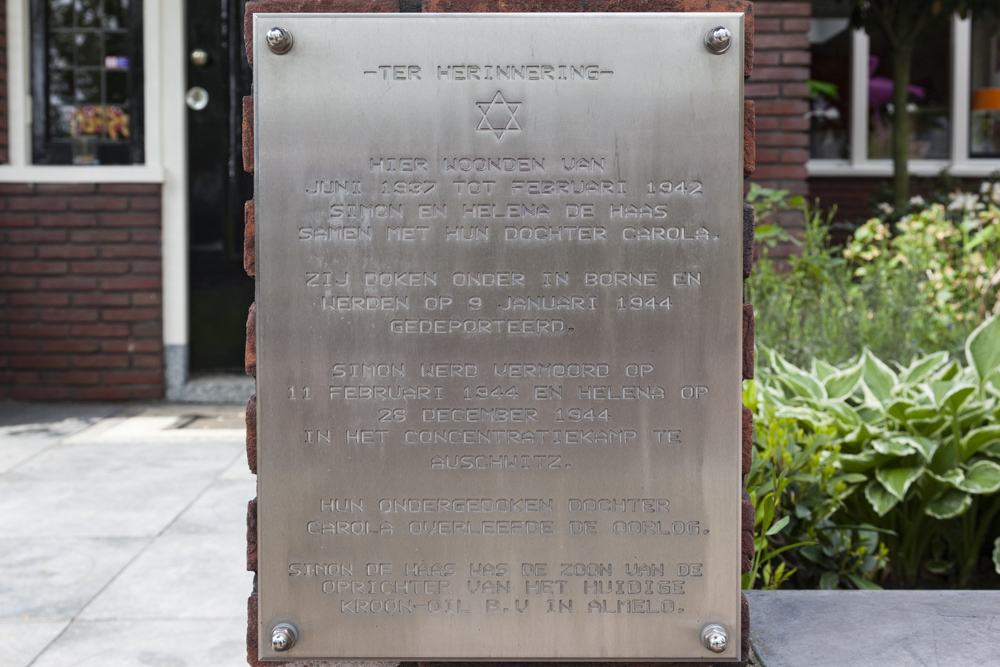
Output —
(985, 187)
(995, 193)
(917, 200)
(964, 201)
(886, 208)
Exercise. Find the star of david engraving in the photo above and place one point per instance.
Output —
(498, 116)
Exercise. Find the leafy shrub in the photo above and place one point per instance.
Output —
(944, 189)
(957, 260)
(797, 485)
(863, 472)
(900, 291)
(923, 440)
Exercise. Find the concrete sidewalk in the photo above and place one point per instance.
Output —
(123, 536)
(123, 544)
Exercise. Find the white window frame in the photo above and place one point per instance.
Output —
(165, 122)
(959, 164)
(20, 168)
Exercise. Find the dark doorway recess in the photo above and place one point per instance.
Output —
(220, 291)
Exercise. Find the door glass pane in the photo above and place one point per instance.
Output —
(61, 46)
(115, 14)
(88, 49)
(59, 121)
(984, 120)
(929, 95)
(830, 39)
(61, 89)
(60, 14)
(88, 13)
(116, 44)
(117, 83)
(88, 87)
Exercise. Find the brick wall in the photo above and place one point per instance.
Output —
(80, 292)
(856, 195)
(851, 195)
(778, 89)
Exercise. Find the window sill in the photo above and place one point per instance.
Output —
(80, 174)
(883, 168)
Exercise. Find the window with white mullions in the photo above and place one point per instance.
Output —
(830, 41)
(953, 98)
(928, 99)
(87, 82)
(984, 120)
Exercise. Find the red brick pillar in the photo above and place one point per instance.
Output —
(781, 98)
(780, 94)
(250, 265)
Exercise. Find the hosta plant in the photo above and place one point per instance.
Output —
(925, 437)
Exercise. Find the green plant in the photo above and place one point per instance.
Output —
(900, 292)
(766, 484)
(796, 486)
(926, 439)
(823, 88)
(767, 203)
(793, 300)
(813, 304)
(944, 189)
(957, 258)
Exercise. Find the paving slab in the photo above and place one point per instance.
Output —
(53, 579)
(239, 470)
(22, 641)
(173, 428)
(221, 509)
(57, 417)
(122, 535)
(179, 577)
(13, 453)
(137, 508)
(29, 428)
(147, 460)
(875, 628)
(163, 643)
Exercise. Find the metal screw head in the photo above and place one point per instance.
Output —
(714, 638)
(279, 40)
(718, 40)
(283, 637)
(199, 57)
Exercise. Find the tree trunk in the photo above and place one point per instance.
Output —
(902, 62)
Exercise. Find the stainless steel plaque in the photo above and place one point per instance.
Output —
(499, 331)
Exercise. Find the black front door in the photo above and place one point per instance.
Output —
(218, 77)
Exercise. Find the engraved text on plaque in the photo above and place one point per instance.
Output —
(499, 324)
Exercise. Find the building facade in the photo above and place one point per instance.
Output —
(122, 189)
